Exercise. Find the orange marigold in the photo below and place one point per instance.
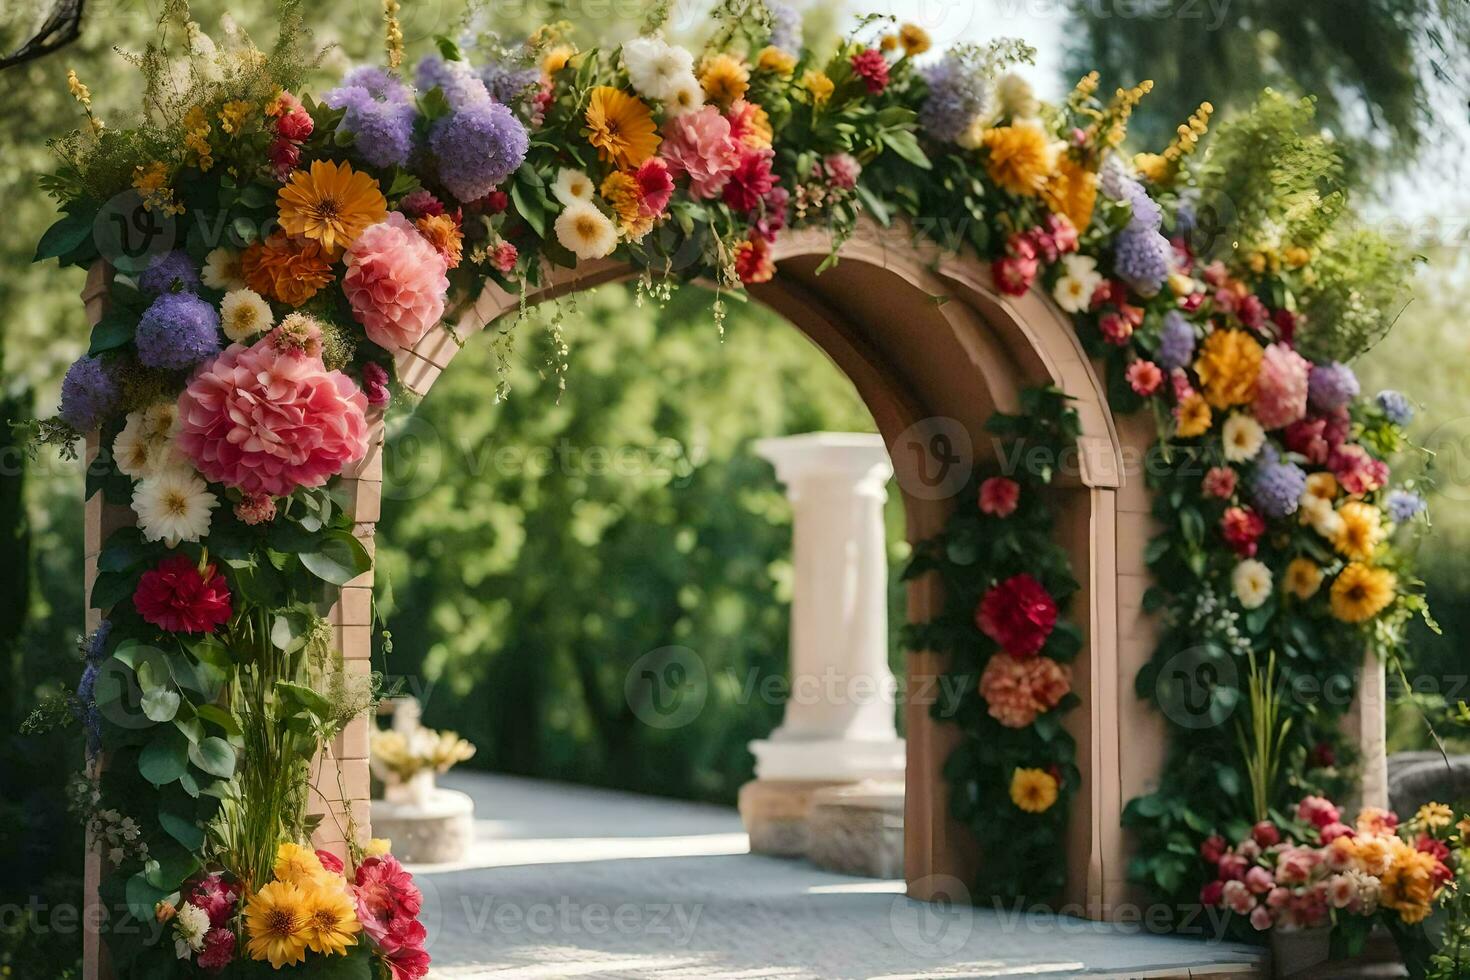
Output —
(1228, 363)
(1021, 157)
(285, 269)
(620, 190)
(1072, 191)
(442, 233)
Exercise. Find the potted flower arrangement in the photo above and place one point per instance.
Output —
(407, 756)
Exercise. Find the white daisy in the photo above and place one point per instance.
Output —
(1080, 279)
(586, 231)
(243, 314)
(572, 187)
(222, 270)
(683, 95)
(1251, 581)
(1243, 437)
(144, 447)
(655, 67)
(172, 506)
(190, 924)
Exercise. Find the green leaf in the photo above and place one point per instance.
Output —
(165, 758)
(111, 588)
(215, 756)
(125, 549)
(216, 715)
(176, 816)
(65, 235)
(532, 213)
(114, 330)
(142, 896)
(160, 705)
(339, 559)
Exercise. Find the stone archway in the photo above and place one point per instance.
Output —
(922, 335)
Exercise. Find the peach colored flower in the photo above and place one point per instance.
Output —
(396, 282)
(699, 145)
(1017, 689)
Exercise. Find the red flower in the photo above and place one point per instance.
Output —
(1014, 274)
(1210, 895)
(753, 261)
(750, 181)
(216, 897)
(504, 257)
(1145, 378)
(1116, 328)
(1219, 482)
(423, 204)
(385, 894)
(1356, 471)
(999, 496)
(219, 949)
(1018, 614)
(1241, 526)
(1438, 848)
(181, 597)
(295, 123)
(655, 186)
(1323, 756)
(1063, 232)
(1213, 848)
(1266, 834)
(330, 861)
(872, 68)
(494, 202)
(283, 155)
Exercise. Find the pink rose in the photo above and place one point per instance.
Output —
(1261, 918)
(999, 496)
(1334, 830)
(396, 282)
(1219, 482)
(698, 144)
(1318, 811)
(1238, 898)
(1232, 867)
(1259, 880)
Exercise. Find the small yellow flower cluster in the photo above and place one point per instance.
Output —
(196, 137)
(392, 34)
(1160, 168)
(1112, 123)
(232, 116)
(151, 183)
(83, 95)
(912, 38)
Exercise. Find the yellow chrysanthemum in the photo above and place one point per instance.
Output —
(818, 85)
(1072, 191)
(297, 865)
(557, 58)
(620, 126)
(724, 78)
(276, 922)
(1359, 532)
(331, 920)
(1434, 816)
(1033, 790)
(1303, 578)
(1193, 419)
(331, 204)
(1409, 886)
(1228, 363)
(914, 39)
(777, 60)
(1362, 592)
(620, 190)
(1021, 158)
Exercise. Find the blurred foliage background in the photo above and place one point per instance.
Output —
(517, 594)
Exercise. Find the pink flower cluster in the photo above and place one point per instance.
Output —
(1281, 387)
(1027, 252)
(218, 898)
(396, 282)
(700, 145)
(388, 904)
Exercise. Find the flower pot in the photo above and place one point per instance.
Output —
(417, 790)
(1296, 950)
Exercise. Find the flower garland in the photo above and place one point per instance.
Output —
(1008, 686)
(242, 364)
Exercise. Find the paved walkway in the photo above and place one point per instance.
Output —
(567, 881)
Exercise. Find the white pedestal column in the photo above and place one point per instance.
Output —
(838, 726)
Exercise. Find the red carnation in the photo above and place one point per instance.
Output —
(181, 597)
(1018, 614)
(999, 496)
(872, 68)
(1014, 274)
(1240, 527)
(750, 181)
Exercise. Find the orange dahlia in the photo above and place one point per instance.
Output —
(446, 237)
(1021, 157)
(285, 269)
(331, 204)
(1072, 191)
(620, 127)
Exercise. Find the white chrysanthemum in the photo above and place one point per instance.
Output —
(190, 924)
(172, 506)
(1243, 437)
(655, 67)
(243, 314)
(683, 95)
(222, 270)
(1078, 282)
(586, 231)
(572, 186)
(145, 447)
(1251, 581)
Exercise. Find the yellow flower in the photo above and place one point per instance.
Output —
(621, 127)
(1362, 592)
(151, 183)
(1021, 157)
(331, 921)
(378, 846)
(1360, 531)
(1194, 418)
(331, 204)
(620, 190)
(276, 921)
(1072, 191)
(1153, 167)
(1321, 486)
(1228, 363)
(556, 59)
(1303, 578)
(819, 85)
(1409, 886)
(888, 42)
(232, 115)
(297, 865)
(1033, 790)
(724, 77)
(1434, 816)
(774, 59)
(914, 39)
(78, 91)
(441, 232)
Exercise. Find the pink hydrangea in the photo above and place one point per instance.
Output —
(699, 145)
(1281, 387)
(396, 282)
(1017, 689)
(269, 421)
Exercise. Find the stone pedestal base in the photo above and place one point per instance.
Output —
(436, 831)
(858, 829)
(775, 813)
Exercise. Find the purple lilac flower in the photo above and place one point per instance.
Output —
(785, 26)
(957, 94)
(97, 642)
(1141, 256)
(1331, 386)
(86, 707)
(1145, 213)
(89, 394)
(170, 270)
(1111, 176)
(1276, 488)
(1395, 406)
(478, 147)
(383, 127)
(507, 83)
(456, 79)
(1176, 342)
(178, 331)
(381, 84)
(1403, 505)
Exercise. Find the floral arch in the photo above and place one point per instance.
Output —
(1174, 478)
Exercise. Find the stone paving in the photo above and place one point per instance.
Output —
(568, 881)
